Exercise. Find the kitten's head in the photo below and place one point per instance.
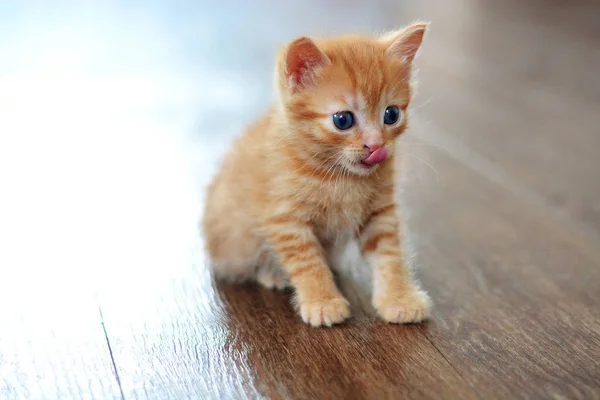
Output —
(345, 99)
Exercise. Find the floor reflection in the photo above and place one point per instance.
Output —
(113, 118)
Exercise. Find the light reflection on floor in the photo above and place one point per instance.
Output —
(98, 192)
(112, 118)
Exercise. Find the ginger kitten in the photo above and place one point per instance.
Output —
(318, 169)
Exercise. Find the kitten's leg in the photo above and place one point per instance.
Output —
(318, 299)
(396, 297)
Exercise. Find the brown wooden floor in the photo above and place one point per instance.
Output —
(104, 291)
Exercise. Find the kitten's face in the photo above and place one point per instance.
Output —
(355, 111)
(348, 101)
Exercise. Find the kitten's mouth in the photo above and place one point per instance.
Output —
(376, 157)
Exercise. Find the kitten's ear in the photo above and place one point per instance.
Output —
(405, 43)
(302, 61)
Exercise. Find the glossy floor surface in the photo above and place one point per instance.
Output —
(114, 115)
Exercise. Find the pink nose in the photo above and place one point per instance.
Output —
(373, 147)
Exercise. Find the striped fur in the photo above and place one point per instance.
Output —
(293, 185)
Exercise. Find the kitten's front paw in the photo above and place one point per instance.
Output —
(326, 312)
(412, 307)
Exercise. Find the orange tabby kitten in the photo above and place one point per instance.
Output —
(317, 169)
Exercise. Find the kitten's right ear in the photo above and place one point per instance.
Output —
(405, 43)
(301, 63)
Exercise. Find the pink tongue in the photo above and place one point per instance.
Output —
(377, 156)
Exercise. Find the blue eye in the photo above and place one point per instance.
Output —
(392, 113)
(343, 120)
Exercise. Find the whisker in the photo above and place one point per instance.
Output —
(319, 167)
(437, 178)
(423, 104)
(421, 144)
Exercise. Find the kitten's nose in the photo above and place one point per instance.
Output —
(372, 147)
(372, 141)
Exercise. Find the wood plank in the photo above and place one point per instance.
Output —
(221, 341)
(516, 304)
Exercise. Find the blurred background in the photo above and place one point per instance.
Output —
(115, 114)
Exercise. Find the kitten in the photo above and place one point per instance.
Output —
(317, 169)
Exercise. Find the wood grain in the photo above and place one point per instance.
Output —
(531, 315)
(501, 196)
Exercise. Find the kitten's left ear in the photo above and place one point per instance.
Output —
(405, 43)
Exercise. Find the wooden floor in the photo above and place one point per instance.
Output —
(113, 117)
